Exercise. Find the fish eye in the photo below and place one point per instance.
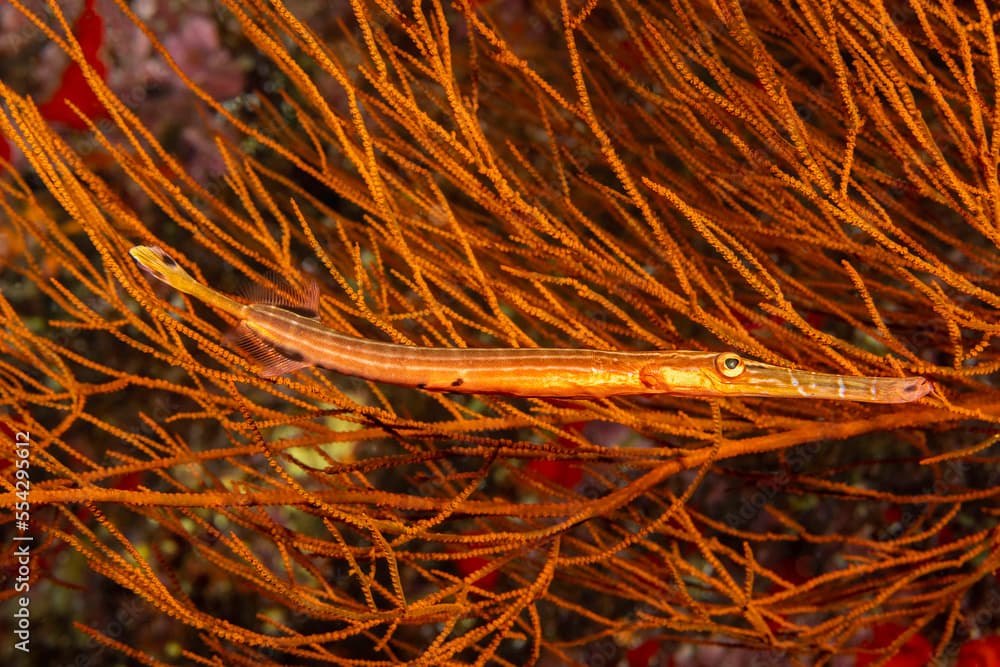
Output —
(730, 365)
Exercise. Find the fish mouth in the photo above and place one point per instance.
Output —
(918, 387)
(765, 380)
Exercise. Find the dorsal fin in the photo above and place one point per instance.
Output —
(304, 302)
(272, 361)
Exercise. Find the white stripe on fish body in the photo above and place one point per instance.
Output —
(795, 383)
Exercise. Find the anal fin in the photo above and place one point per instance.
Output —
(273, 362)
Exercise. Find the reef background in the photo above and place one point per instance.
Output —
(809, 184)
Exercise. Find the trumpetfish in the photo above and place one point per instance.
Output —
(283, 333)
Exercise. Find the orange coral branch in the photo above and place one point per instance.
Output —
(813, 185)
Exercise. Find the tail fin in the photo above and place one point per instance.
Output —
(162, 266)
(159, 264)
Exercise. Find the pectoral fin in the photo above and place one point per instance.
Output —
(272, 361)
